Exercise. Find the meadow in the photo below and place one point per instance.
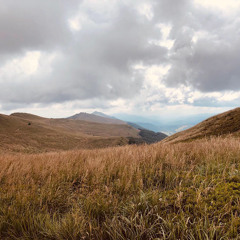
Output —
(187, 190)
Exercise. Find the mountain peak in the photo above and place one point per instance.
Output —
(96, 117)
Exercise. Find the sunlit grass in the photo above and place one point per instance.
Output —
(162, 191)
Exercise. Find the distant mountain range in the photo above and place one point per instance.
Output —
(135, 125)
(103, 115)
(96, 117)
(162, 123)
(145, 135)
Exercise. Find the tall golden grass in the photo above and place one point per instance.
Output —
(161, 191)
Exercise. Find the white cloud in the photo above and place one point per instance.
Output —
(24, 65)
(146, 10)
(127, 56)
(226, 7)
(229, 96)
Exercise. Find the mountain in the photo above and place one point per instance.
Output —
(103, 115)
(151, 137)
(23, 132)
(135, 125)
(222, 124)
(145, 135)
(149, 126)
(30, 133)
(148, 136)
(96, 118)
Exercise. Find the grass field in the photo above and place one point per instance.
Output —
(28, 133)
(161, 191)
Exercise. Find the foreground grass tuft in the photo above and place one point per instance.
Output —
(162, 191)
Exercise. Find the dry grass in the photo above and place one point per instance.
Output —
(219, 125)
(162, 191)
(16, 135)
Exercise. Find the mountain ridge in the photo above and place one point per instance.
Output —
(25, 132)
(146, 135)
(31, 133)
(95, 118)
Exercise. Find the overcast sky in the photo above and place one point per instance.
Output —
(142, 57)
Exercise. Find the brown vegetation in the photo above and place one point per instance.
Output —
(21, 132)
(162, 191)
(222, 124)
(96, 118)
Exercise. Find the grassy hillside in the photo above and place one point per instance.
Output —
(96, 118)
(222, 124)
(82, 127)
(29, 133)
(162, 191)
(151, 137)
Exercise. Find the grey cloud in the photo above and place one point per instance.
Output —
(28, 24)
(211, 63)
(207, 66)
(175, 12)
(214, 102)
(97, 62)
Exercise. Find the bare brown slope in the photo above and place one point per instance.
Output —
(96, 118)
(30, 133)
(222, 124)
(81, 127)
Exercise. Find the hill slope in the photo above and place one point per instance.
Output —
(135, 125)
(151, 137)
(145, 135)
(30, 133)
(162, 191)
(103, 115)
(96, 118)
(222, 124)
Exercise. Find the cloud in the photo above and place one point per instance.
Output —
(96, 62)
(102, 53)
(34, 25)
(205, 52)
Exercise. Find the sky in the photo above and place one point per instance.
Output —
(141, 57)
